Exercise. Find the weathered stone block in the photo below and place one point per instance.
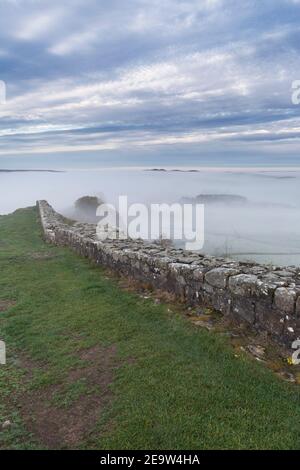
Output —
(198, 274)
(298, 307)
(243, 284)
(221, 301)
(269, 319)
(218, 277)
(285, 299)
(244, 308)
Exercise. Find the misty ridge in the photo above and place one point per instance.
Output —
(29, 171)
(228, 200)
(248, 216)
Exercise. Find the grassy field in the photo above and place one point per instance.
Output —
(92, 366)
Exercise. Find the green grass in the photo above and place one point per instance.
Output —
(177, 387)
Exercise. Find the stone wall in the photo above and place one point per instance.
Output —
(268, 298)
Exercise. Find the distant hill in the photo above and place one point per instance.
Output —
(232, 199)
(25, 171)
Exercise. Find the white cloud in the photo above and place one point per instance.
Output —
(73, 43)
(38, 25)
(163, 64)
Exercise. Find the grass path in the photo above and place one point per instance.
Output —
(93, 366)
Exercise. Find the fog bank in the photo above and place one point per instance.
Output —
(266, 227)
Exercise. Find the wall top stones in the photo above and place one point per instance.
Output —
(268, 297)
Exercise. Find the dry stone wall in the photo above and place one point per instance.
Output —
(267, 298)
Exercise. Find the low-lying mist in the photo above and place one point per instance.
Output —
(249, 216)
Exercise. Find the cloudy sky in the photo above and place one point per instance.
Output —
(171, 77)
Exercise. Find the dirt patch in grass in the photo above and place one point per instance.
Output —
(64, 415)
(41, 255)
(6, 304)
